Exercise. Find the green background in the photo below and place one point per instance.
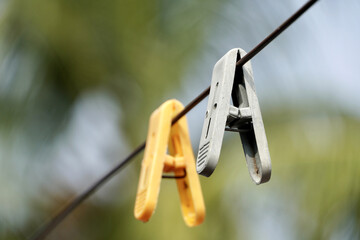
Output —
(79, 80)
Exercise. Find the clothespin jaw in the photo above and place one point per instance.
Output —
(180, 160)
(237, 83)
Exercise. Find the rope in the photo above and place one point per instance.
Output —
(60, 216)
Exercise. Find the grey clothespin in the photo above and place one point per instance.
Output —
(229, 81)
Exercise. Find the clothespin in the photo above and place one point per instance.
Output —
(180, 160)
(236, 83)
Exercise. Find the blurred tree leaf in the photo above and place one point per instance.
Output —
(135, 49)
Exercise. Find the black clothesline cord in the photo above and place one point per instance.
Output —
(60, 216)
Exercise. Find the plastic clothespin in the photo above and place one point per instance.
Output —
(180, 160)
(237, 83)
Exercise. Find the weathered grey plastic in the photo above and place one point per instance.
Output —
(244, 117)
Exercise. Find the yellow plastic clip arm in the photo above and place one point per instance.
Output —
(162, 135)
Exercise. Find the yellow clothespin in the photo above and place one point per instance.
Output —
(180, 160)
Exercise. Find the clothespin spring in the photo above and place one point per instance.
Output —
(174, 177)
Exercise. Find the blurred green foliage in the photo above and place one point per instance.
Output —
(53, 52)
(314, 191)
(134, 49)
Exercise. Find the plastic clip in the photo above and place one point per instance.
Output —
(180, 160)
(229, 81)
